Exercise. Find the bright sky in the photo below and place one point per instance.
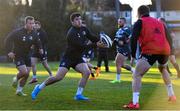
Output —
(24, 2)
(134, 5)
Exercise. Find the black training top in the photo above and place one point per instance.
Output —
(77, 42)
(43, 37)
(20, 42)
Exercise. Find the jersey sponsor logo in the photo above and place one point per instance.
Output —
(30, 37)
(78, 35)
(84, 32)
(89, 52)
(24, 38)
(157, 31)
(18, 62)
(63, 63)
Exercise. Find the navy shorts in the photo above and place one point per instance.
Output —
(67, 62)
(19, 61)
(124, 51)
(151, 59)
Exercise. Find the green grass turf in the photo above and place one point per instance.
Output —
(103, 95)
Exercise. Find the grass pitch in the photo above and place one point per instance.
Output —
(103, 95)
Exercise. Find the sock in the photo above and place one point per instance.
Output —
(34, 76)
(19, 88)
(118, 77)
(170, 90)
(79, 91)
(15, 79)
(132, 70)
(41, 86)
(135, 97)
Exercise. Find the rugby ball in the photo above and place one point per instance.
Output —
(106, 40)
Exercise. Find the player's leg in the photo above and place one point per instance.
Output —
(175, 64)
(99, 61)
(46, 66)
(62, 70)
(128, 67)
(34, 61)
(83, 68)
(24, 74)
(119, 63)
(106, 64)
(51, 80)
(162, 65)
(142, 67)
(90, 68)
(21, 67)
(168, 70)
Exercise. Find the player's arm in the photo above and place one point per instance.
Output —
(135, 35)
(134, 38)
(76, 41)
(128, 35)
(92, 37)
(169, 38)
(117, 41)
(95, 39)
(45, 37)
(9, 43)
(120, 40)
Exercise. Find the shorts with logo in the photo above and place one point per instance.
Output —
(22, 60)
(124, 51)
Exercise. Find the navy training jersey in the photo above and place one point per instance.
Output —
(123, 34)
(43, 37)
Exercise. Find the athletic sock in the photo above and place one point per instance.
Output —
(34, 76)
(118, 77)
(135, 97)
(41, 86)
(170, 90)
(79, 91)
(19, 88)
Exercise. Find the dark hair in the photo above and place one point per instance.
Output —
(123, 18)
(37, 22)
(143, 10)
(162, 19)
(28, 18)
(74, 15)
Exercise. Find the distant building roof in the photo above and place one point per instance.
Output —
(165, 5)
